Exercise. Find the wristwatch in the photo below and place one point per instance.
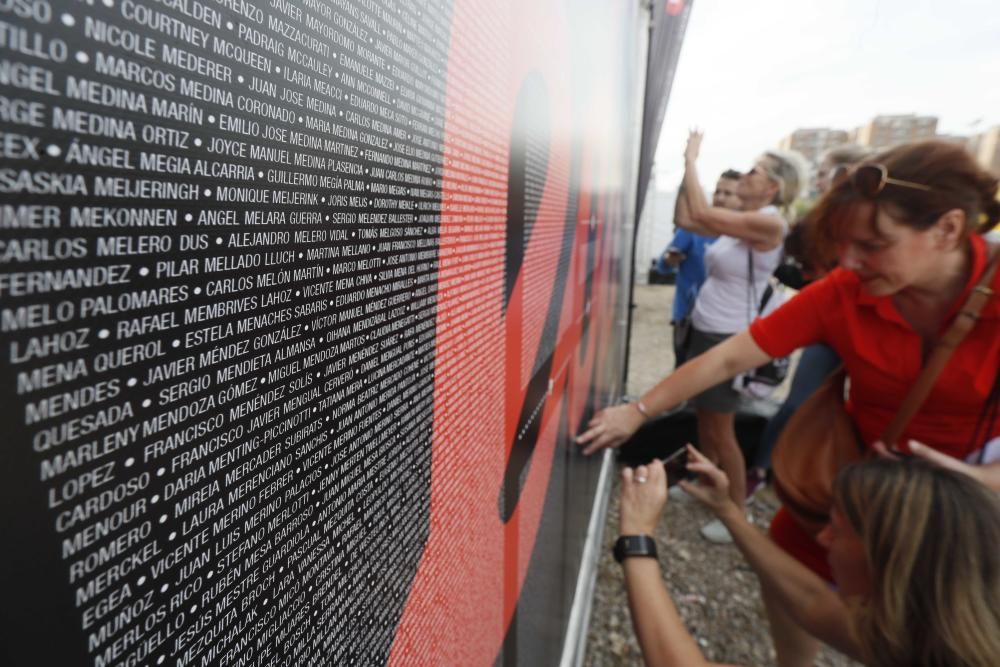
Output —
(628, 546)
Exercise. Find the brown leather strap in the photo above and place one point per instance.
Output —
(963, 324)
(807, 512)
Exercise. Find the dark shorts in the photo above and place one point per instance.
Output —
(722, 397)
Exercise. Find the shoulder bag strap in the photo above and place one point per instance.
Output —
(963, 324)
(987, 419)
(752, 291)
(766, 297)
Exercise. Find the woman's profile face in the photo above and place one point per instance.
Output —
(846, 554)
(756, 184)
(887, 256)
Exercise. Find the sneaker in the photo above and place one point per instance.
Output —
(679, 495)
(715, 531)
(756, 480)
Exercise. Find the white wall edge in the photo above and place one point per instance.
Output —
(575, 645)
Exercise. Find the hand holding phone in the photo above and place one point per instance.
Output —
(676, 466)
(712, 485)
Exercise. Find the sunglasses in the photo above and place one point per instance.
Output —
(871, 179)
(768, 175)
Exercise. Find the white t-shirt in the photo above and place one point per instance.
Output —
(721, 306)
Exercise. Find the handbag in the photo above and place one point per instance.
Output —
(820, 438)
(760, 382)
(792, 266)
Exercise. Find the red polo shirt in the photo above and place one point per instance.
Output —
(882, 354)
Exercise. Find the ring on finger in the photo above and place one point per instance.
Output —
(640, 480)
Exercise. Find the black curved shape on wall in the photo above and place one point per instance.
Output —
(531, 126)
(529, 158)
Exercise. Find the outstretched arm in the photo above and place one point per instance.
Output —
(987, 474)
(806, 596)
(613, 426)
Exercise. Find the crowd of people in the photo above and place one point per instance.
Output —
(886, 454)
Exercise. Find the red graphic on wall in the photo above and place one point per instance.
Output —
(525, 293)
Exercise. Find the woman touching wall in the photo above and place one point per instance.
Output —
(906, 229)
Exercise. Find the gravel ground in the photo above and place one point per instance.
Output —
(715, 590)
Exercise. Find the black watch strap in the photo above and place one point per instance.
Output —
(628, 546)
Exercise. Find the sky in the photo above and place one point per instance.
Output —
(752, 71)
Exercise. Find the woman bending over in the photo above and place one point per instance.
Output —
(912, 547)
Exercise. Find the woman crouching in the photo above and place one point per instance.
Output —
(913, 548)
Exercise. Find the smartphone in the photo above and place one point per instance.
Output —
(901, 455)
(676, 466)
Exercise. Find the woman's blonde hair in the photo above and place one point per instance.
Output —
(932, 539)
(790, 171)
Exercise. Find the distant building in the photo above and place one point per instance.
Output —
(812, 142)
(985, 147)
(959, 139)
(886, 131)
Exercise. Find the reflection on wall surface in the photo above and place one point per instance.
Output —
(300, 304)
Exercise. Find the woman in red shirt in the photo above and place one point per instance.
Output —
(907, 231)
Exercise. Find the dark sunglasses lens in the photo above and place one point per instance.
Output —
(868, 180)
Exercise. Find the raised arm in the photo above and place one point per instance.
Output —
(760, 230)
(682, 214)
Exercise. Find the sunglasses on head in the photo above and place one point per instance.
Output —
(871, 179)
